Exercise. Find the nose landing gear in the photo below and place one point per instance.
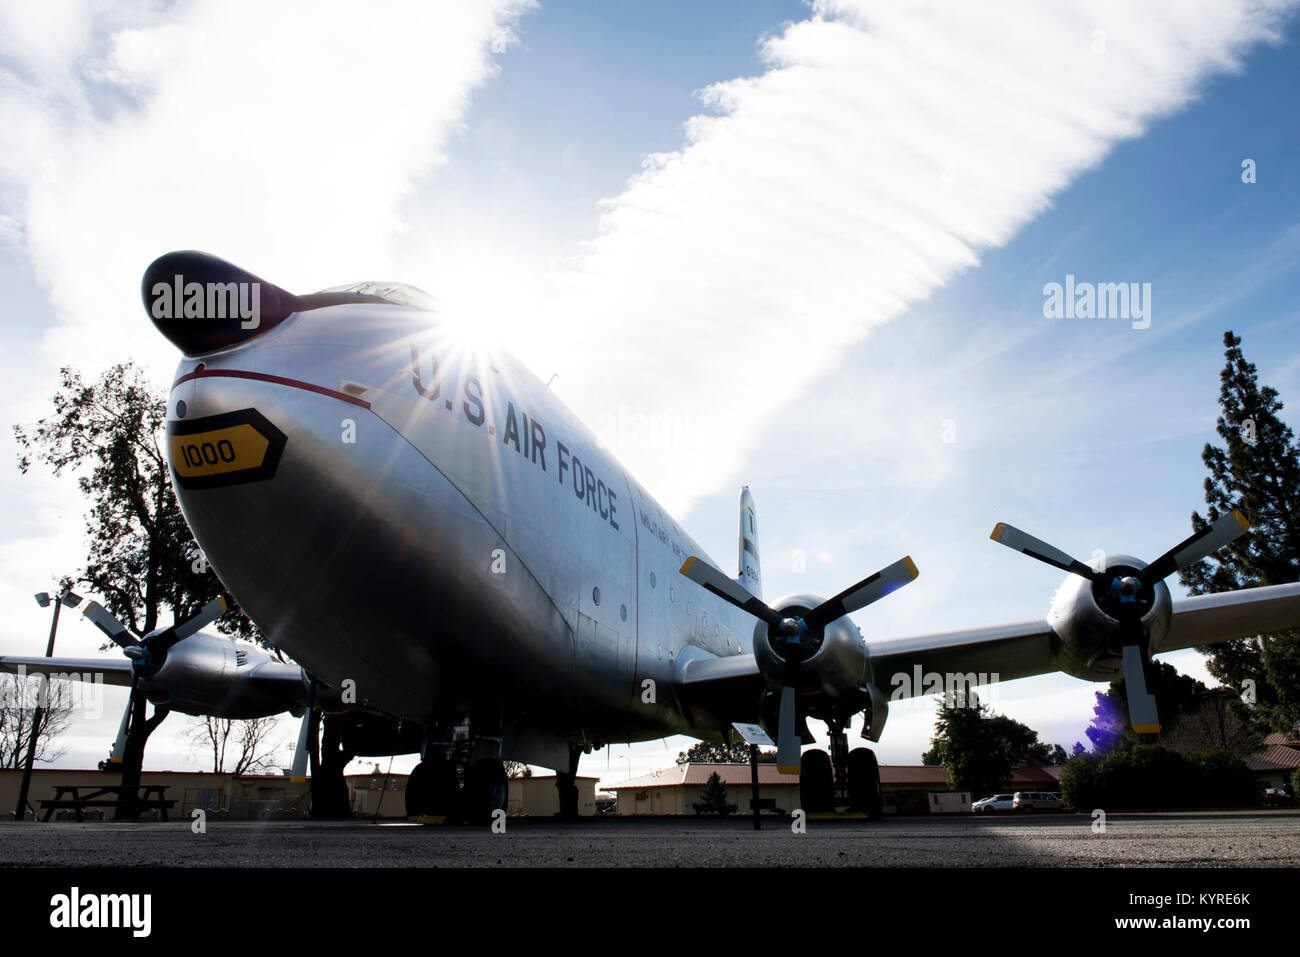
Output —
(448, 783)
(842, 779)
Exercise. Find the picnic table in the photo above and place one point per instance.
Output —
(78, 797)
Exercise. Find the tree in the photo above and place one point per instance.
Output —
(1213, 722)
(981, 749)
(713, 798)
(1257, 469)
(251, 738)
(1174, 692)
(18, 700)
(705, 752)
(974, 749)
(141, 556)
(1151, 776)
(517, 769)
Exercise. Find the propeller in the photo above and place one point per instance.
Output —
(1127, 589)
(791, 635)
(148, 651)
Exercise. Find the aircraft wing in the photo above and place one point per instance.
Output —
(1210, 619)
(719, 690)
(81, 669)
(1021, 649)
(1016, 649)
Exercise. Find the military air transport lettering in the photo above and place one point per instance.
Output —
(211, 300)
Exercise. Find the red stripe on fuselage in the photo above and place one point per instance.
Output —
(202, 373)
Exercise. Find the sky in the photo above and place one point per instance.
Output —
(797, 247)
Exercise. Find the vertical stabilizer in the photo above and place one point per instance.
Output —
(751, 576)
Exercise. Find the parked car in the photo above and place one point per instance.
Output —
(1277, 797)
(1037, 801)
(998, 802)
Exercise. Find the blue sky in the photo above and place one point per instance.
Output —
(840, 307)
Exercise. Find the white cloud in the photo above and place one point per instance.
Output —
(882, 149)
(283, 137)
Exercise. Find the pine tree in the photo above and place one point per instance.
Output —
(713, 798)
(1258, 470)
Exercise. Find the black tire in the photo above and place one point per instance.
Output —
(816, 782)
(431, 789)
(417, 788)
(865, 795)
(486, 790)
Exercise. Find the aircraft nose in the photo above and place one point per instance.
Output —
(202, 303)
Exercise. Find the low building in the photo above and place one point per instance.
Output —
(907, 789)
(1277, 760)
(537, 796)
(253, 796)
(673, 790)
(228, 795)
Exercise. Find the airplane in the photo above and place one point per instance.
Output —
(397, 508)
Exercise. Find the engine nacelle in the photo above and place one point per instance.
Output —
(833, 676)
(1082, 615)
(210, 675)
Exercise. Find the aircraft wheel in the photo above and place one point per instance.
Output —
(416, 787)
(865, 795)
(431, 788)
(486, 790)
(816, 781)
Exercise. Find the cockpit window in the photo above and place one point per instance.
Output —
(398, 293)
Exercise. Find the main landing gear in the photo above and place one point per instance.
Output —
(841, 779)
(450, 785)
(566, 785)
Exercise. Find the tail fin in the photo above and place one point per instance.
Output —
(751, 575)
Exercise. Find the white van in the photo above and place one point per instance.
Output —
(1037, 800)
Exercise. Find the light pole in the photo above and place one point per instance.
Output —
(66, 597)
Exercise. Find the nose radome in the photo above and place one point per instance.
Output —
(202, 303)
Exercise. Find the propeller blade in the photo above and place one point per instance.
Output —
(301, 753)
(888, 579)
(1014, 538)
(709, 578)
(1197, 546)
(298, 773)
(206, 616)
(788, 744)
(164, 640)
(117, 632)
(1142, 712)
(119, 743)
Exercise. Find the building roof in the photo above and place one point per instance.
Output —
(1275, 758)
(1291, 740)
(696, 773)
